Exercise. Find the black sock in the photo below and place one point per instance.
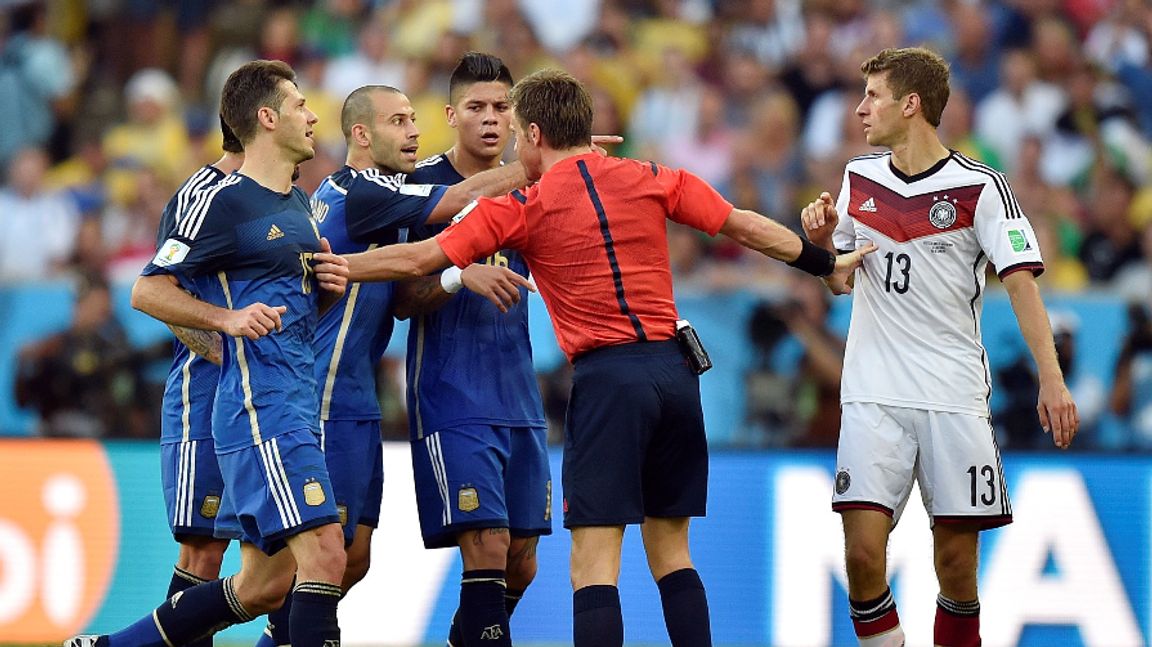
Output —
(481, 617)
(685, 608)
(199, 612)
(182, 580)
(312, 622)
(596, 617)
(511, 599)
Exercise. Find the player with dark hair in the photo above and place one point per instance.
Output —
(593, 231)
(361, 206)
(253, 233)
(916, 384)
(189, 473)
(479, 452)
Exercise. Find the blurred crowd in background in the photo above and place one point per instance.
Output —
(110, 104)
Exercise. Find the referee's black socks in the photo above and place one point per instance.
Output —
(685, 608)
(596, 617)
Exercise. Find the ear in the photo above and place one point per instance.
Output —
(267, 117)
(450, 113)
(911, 104)
(360, 135)
(534, 135)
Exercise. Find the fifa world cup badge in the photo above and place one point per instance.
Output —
(314, 493)
(467, 499)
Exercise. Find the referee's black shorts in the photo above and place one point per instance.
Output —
(634, 442)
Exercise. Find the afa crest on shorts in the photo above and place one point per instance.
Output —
(467, 499)
(942, 215)
(210, 507)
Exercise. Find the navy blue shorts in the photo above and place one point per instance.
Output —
(192, 485)
(356, 468)
(482, 476)
(634, 441)
(276, 489)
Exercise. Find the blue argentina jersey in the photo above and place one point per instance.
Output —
(254, 245)
(467, 362)
(356, 211)
(191, 384)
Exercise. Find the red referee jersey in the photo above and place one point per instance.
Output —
(594, 235)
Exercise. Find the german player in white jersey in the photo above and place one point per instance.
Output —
(916, 383)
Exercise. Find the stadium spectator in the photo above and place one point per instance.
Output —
(371, 63)
(40, 225)
(36, 80)
(87, 381)
(1132, 391)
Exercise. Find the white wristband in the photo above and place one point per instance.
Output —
(451, 280)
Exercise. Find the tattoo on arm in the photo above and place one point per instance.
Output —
(205, 343)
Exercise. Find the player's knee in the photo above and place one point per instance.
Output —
(356, 568)
(266, 594)
(202, 557)
(863, 560)
(486, 548)
(521, 570)
(955, 564)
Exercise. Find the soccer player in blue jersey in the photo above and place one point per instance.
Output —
(253, 232)
(361, 206)
(477, 426)
(190, 476)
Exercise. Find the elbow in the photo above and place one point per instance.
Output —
(137, 299)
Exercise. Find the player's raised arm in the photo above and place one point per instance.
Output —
(1054, 404)
(490, 183)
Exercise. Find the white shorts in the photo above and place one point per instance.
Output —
(953, 456)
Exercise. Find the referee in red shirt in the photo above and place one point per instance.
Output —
(593, 232)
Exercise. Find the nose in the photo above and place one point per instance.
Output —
(312, 118)
(490, 115)
(862, 108)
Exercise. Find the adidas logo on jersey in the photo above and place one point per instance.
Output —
(275, 232)
(868, 205)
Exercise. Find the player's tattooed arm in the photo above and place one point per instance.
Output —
(205, 343)
(418, 296)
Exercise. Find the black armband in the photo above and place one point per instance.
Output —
(814, 260)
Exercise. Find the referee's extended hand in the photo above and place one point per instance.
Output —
(840, 280)
(253, 321)
(499, 285)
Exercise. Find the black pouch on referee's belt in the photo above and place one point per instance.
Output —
(690, 345)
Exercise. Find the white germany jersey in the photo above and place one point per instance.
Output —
(914, 339)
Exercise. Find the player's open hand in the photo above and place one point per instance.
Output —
(1058, 414)
(819, 219)
(598, 142)
(254, 321)
(840, 280)
(499, 285)
(331, 269)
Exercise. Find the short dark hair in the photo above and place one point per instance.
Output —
(476, 67)
(230, 143)
(255, 85)
(914, 69)
(558, 104)
(358, 106)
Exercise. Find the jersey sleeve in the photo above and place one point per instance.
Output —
(844, 236)
(692, 201)
(484, 227)
(1004, 232)
(199, 242)
(378, 204)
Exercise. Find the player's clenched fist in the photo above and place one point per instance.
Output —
(499, 285)
(331, 269)
(819, 219)
(253, 321)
